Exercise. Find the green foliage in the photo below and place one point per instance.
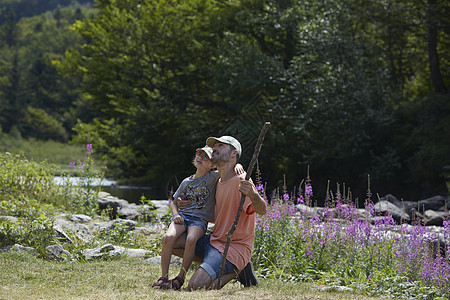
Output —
(27, 8)
(31, 82)
(119, 234)
(42, 125)
(27, 191)
(425, 159)
(325, 73)
(37, 233)
(56, 153)
(147, 210)
(154, 95)
(152, 79)
(24, 184)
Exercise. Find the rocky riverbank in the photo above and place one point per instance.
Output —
(431, 212)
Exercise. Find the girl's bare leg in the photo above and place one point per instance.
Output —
(194, 233)
(170, 237)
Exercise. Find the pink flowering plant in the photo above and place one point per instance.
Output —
(339, 244)
(89, 184)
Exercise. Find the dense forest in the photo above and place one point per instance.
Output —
(352, 88)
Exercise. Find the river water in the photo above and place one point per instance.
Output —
(130, 193)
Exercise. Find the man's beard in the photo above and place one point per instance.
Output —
(220, 159)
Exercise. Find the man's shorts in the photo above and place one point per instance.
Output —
(194, 221)
(212, 258)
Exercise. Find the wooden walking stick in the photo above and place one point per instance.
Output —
(241, 204)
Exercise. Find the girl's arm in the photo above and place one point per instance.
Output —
(177, 219)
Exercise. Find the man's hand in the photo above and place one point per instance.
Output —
(247, 188)
(181, 201)
(178, 219)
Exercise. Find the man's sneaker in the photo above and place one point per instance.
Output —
(247, 276)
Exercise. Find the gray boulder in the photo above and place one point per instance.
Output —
(111, 203)
(19, 248)
(80, 231)
(80, 219)
(385, 207)
(174, 260)
(407, 206)
(130, 224)
(434, 218)
(436, 203)
(9, 218)
(57, 252)
(61, 234)
(109, 250)
(129, 212)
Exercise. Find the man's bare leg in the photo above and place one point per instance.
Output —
(225, 279)
(202, 280)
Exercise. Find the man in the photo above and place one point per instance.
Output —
(226, 153)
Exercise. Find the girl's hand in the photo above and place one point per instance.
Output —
(178, 219)
(239, 169)
(181, 202)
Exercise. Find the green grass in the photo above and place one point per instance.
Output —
(53, 152)
(38, 150)
(26, 277)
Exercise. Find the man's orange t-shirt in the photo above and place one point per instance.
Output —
(227, 203)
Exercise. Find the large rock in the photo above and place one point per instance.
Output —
(407, 206)
(129, 224)
(129, 212)
(57, 252)
(61, 234)
(434, 218)
(109, 250)
(80, 219)
(385, 207)
(111, 203)
(436, 203)
(81, 231)
(162, 207)
(119, 208)
(19, 248)
(174, 260)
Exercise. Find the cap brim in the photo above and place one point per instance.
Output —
(208, 153)
(211, 141)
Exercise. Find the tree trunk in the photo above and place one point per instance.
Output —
(435, 73)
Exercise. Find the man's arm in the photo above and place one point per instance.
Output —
(249, 190)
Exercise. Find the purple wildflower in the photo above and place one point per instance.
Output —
(370, 209)
(260, 189)
(88, 148)
(308, 191)
(73, 164)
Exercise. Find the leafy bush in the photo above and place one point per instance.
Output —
(28, 192)
(26, 187)
(37, 233)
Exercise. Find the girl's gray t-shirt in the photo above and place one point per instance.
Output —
(201, 192)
